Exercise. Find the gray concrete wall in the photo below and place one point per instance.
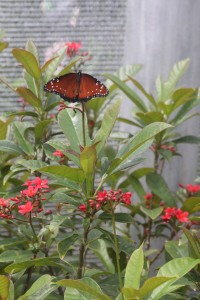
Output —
(158, 34)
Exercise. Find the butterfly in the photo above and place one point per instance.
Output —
(76, 87)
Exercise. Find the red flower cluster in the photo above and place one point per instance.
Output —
(175, 213)
(29, 200)
(60, 154)
(73, 48)
(110, 199)
(166, 147)
(190, 188)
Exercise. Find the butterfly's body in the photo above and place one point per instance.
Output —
(76, 87)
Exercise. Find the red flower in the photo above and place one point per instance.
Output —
(182, 216)
(40, 184)
(127, 198)
(4, 203)
(26, 208)
(72, 48)
(192, 188)
(83, 207)
(59, 154)
(101, 196)
(148, 196)
(172, 212)
(30, 192)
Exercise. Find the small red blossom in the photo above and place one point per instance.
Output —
(83, 207)
(73, 48)
(178, 214)
(148, 196)
(192, 188)
(26, 208)
(40, 184)
(127, 198)
(168, 147)
(59, 154)
(4, 203)
(30, 192)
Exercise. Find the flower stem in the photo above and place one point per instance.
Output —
(83, 123)
(117, 251)
(32, 227)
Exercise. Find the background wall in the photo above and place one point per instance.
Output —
(159, 34)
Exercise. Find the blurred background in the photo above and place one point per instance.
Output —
(154, 33)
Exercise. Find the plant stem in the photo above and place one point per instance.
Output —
(32, 227)
(116, 251)
(82, 250)
(83, 123)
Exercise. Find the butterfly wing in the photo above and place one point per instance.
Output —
(76, 87)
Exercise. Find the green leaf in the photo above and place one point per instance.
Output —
(194, 244)
(3, 131)
(66, 244)
(150, 117)
(10, 147)
(64, 198)
(31, 164)
(119, 217)
(4, 287)
(165, 90)
(134, 269)
(182, 96)
(127, 91)
(129, 122)
(39, 262)
(141, 88)
(176, 249)
(23, 113)
(73, 174)
(81, 286)
(29, 62)
(187, 139)
(67, 69)
(40, 129)
(107, 124)
(99, 247)
(152, 213)
(159, 187)
(178, 267)
(31, 47)
(19, 129)
(29, 96)
(88, 159)
(191, 204)
(71, 125)
(3, 45)
(40, 289)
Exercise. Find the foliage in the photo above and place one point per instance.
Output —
(54, 170)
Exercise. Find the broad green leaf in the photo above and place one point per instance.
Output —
(194, 244)
(39, 262)
(71, 124)
(3, 131)
(73, 294)
(127, 91)
(40, 289)
(128, 70)
(191, 204)
(15, 255)
(141, 172)
(119, 217)
(176, 249)
(81, 286)
(152, 213)
(136, 184)
(165, 89)
(59, 197)
(67, 69)
(29, 96)
(4, 287)
(3, 45)
(107, 124)
(64, 245)
(88, 159)
(182, 96)
(141, 88)
(129, 122)
(23, 113)
(150, 117)
(73, 174)
(10, 147)
(40, 129)
(159, 187)
(29, 62)
(99, 247)
(19, 129)
(31, 47)
(53, 65)
(31, 164)
(134, 269)
(178, 267)
(187, 139)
